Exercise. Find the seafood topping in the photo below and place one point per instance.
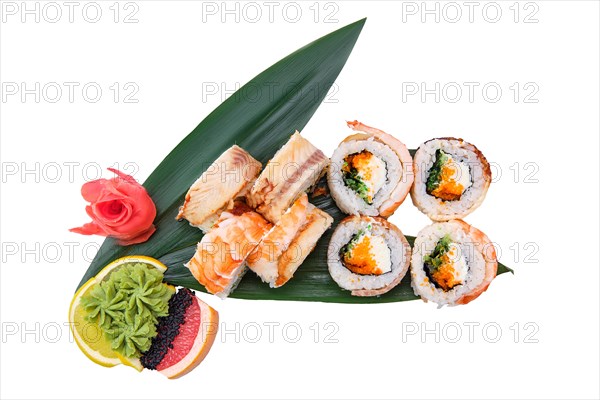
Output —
(219, 259)
(364, 173)
(366, 254)
(448, 178)
(296, 167)
(446, 267)
(230, 176)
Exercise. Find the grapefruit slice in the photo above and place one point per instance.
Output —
(184, 337)
(196, 337)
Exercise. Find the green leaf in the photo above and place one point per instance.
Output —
(292, 89)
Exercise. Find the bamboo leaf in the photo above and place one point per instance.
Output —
(311, 282)
(292, 89)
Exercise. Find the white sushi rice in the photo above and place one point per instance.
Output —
(472, 197)
(237, 276)
(345, 278)
(424, 244)
(346, 198)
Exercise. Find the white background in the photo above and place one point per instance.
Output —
(176, 52)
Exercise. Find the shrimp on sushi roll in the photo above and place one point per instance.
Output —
(285, 247)
(370, 172)
(368, 255)
(451, 178)
(220, 259)
(452, 263)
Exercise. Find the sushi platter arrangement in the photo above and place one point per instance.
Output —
(263, 221)
(272, 217)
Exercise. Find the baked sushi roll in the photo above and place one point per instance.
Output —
(285, 247)
(220, 259)
(370, 172)
(230, 176)
(452, 263)
(451, 178)
(295, 168)
(368, 255)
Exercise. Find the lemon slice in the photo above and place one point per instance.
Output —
(131, 362)
(88, 335)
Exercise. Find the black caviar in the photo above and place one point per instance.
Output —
(168, 328)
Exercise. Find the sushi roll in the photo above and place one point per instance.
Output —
(289, 242)
(368, 255)
(229, 177)
(295, 168)
(220, 259)
(452, 263)
(370, 172)
(451, 178)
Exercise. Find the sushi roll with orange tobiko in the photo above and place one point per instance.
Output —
(370, 172)
(451, 178)
(368, 255)
(452, 263)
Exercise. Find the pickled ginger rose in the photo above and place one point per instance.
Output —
(120, 208)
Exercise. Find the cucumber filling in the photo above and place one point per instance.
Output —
(365, 174)
(447, 178)
(446, 267)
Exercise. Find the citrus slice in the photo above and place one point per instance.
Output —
(88, 335)
(192, 344)
(131, 362)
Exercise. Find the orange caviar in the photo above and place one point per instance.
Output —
(360, 259)
(448, 189)
(444, 276)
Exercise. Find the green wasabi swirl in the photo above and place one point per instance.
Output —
(127, 305)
